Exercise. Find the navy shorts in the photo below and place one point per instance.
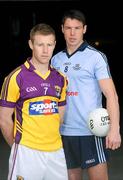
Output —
(84, 151)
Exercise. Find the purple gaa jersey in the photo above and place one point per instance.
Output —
(36, 98)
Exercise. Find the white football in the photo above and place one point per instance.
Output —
(99, 122)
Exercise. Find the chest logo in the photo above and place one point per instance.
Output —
(30, 89)
(45, 107)
(77, 67)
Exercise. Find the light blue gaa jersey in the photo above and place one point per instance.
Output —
(83, 68)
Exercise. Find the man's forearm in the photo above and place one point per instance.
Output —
(7, 131)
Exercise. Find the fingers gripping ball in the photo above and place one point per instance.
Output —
(99, 122)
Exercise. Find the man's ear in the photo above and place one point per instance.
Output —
(85, 29)
(55, 43)
(62, 28)
(30, 44)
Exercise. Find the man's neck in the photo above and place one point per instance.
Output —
(42, 68)
(72, 49)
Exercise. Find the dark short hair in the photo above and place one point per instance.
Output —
(74, 14)
(43, 29)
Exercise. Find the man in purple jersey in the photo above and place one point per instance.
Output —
(36, 94)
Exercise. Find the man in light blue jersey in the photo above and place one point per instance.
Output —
(88, 77)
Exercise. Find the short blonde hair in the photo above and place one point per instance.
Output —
(43, 29)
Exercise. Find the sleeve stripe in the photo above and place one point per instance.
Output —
(6, 83)
(4, 89)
